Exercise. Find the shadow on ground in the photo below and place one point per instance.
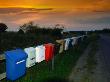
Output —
(54, 79)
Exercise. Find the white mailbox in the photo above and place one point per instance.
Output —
(31, 60)
(40, 53)
(74, 40)
(67, 43)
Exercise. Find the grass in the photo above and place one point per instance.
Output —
(2, 64)
(64, 63)
(91, 61)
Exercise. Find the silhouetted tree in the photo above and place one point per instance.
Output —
(28, 27)
(3, 27)
(21, 31)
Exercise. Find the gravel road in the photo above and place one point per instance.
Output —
(102, 71)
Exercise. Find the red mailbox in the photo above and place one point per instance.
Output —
(49, 51)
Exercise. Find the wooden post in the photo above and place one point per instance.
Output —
(3, 75)
(53, 63)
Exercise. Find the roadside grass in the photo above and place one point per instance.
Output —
(91, 61)
(2, 66)
(64, 63)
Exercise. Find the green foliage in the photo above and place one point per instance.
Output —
(33, 37)
(36, 29)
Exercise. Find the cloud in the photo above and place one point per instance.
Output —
(100, 18)
(22, 10)
(24, 20)
(48, 17)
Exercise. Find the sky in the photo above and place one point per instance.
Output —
(73, 14)
(93, 4)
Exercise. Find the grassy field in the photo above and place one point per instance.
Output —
(42, 72)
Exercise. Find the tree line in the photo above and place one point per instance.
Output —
(27, 36)
(31, 34)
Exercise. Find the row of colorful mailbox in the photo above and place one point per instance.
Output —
(17, 60)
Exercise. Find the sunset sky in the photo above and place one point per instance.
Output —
(93, 4)
(71, 13)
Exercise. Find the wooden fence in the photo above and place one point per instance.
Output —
(3, 75)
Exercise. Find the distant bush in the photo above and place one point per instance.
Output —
(3, 27)
(106, 31)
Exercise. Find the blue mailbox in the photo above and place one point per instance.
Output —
(15, 64)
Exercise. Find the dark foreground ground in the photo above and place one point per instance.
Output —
(104, 58)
